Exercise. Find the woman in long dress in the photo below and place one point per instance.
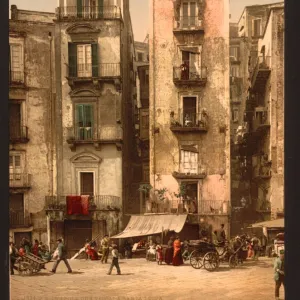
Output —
(169, 251)
(177, 256)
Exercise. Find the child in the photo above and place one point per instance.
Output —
(159, 254)
(115, 260)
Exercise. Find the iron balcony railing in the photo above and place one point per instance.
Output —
(82, 133)
(103, 70)
(19, 219)
(261, 118)
(19, 180)
(88, 12)
(18, 133)
(262, 63)
(188, 23)
(97, 202)
(185, 72)
(16, 77)
(189, 119)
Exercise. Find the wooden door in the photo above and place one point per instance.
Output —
(87, 183)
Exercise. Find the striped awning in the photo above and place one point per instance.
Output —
(151, 224)
(277, 223)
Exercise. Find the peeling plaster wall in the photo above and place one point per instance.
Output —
(36, 114)
(214, 146)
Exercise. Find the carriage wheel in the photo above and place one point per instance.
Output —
(196, 259)
(233, 261)
(211, 261)
(25, 268)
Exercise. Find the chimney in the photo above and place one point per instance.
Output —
(14, 12)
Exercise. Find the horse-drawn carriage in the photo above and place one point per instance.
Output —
(210, 255)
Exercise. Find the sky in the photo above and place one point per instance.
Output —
(139, 10)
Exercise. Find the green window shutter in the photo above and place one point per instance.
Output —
(95, 60)
(79, 122)
(79, 8)
(88, 121)
(72, 59)
(100, 8)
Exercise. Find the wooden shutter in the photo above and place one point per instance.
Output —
(72, 59)
(95, 60)
(100, 8)
(79, 8)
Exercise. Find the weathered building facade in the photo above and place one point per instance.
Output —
(71, 122)
(189, 110)
(259, 140)
(31, 94)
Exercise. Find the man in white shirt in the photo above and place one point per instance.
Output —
(115, 260)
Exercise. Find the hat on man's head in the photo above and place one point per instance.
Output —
(59, 240)
(281, 252)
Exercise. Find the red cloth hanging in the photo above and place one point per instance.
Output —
(85, 204)
(74, 206)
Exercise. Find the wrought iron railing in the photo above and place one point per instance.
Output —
(82, 133)
(19, 219)
(88, 12)
(103, 202)
(263, 63)
(188, 23)
(103, 70)
(16, 77)
(261, 117)
(189, 119)
(19, 180)
(185, 72)
(18, 133)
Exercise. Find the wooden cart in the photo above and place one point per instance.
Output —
(29, 264)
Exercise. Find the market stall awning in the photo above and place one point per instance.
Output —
(151, 224)
(278, 223)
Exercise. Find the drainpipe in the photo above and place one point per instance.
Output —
(51, 114)
(154, 93)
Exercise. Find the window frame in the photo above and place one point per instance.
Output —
(193, 166)
(78, 129)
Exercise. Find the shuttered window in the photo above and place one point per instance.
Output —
(16, 63)
(256, 27)
(189, 162)
(84, 121)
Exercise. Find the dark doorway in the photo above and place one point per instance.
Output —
(16, 210)
(192, 195)
(14, 120)
(87, 183)
(76, 232)
(189, 111)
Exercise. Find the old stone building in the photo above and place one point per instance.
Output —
(70, 168)
(31, 100)
(259, 139)
(189, 111)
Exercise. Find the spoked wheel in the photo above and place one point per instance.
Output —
(25, 268)
(211, 261)
(233, 261)
(196, 259)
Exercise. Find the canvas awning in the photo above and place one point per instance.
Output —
(278, 223)
(151, 224)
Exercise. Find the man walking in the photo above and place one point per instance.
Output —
(13, 255)
(62, 256)
(279, 273)
(255, 246)
(115, 260)
(105, 248)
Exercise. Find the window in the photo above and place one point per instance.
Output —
(189, 107)
(14, 119)
(140, 56)
(84, 121)
(234, 53)
(191, 60)
(16, 63)
(189, 14)
(256, 27)
(189, 162)
(15, 166)
(87, 183)
(235, 115)
(83, 60)
(144, 124)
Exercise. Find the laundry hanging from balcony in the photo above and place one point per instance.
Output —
(78, 205)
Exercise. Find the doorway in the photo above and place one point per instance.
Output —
(192, 196)
(87, 183)
(189, 111)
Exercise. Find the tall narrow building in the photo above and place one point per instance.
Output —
(189, 110)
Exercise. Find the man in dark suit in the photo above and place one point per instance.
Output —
(62, 256)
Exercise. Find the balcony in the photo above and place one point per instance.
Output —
(94, 73)
(90, 135)
(187, 24)
(262, 170)
(261, 121)
(19, 220)
(98, 202)
(189, 122)
(19, 181)
(16, 78)
(185, 75)
(261, 73)
(18, 134)
(192, 171)
(69, 13)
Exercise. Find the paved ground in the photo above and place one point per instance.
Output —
(146, 280)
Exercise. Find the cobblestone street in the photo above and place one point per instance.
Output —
(141, 279)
